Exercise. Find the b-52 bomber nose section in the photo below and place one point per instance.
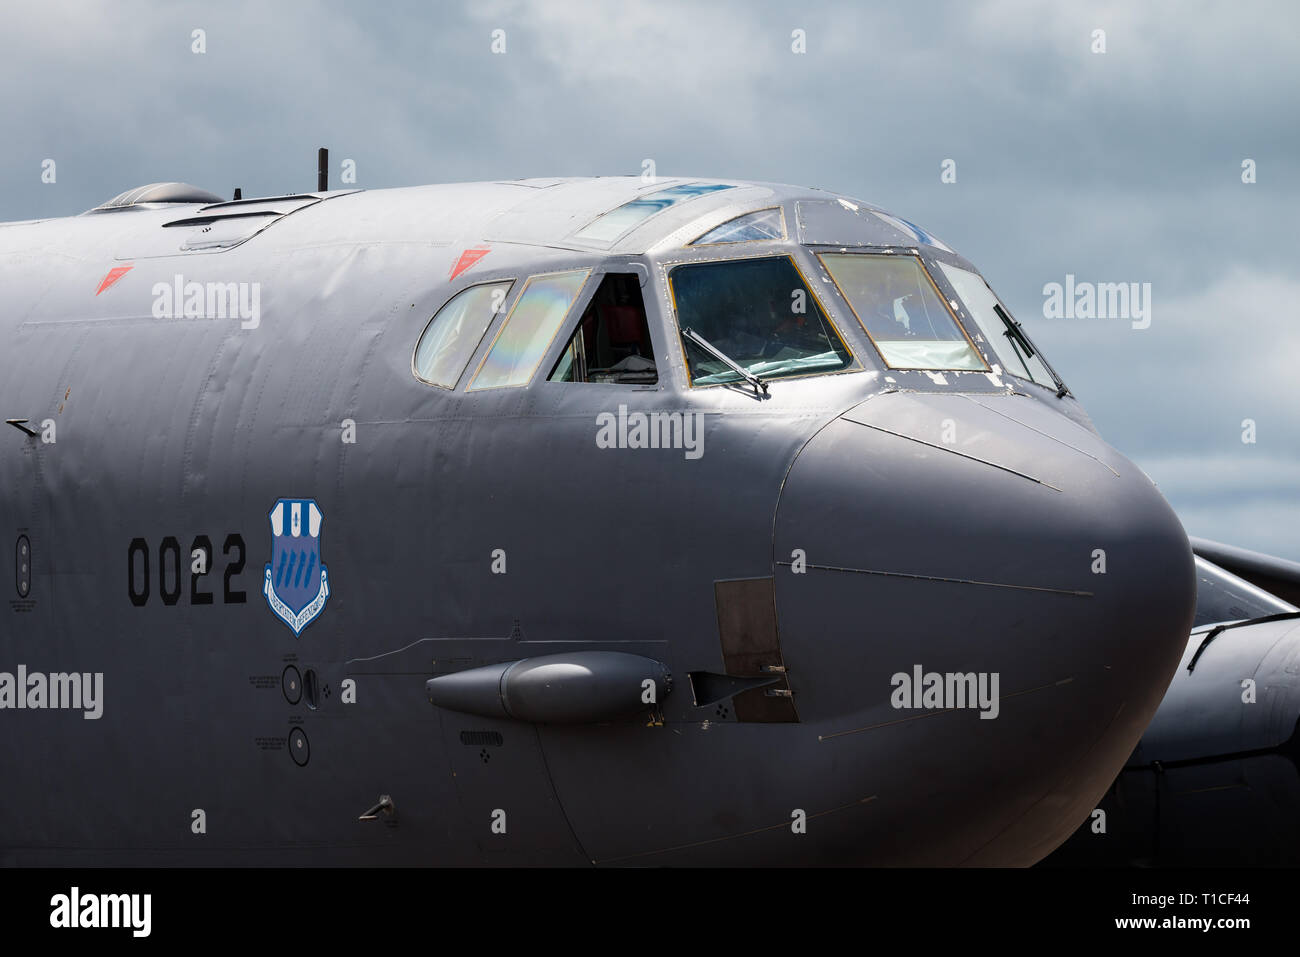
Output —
(921, 628)
(981, 605)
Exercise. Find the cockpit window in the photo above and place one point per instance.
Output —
(900, 308)
(763, 224)
(527, 332)
(612, 341)
(757, 312)
(610, 226)
(980, 304)
(455, 331)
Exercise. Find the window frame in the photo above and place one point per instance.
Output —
(820, 253)
(854, 364)
(513, 280)
(546, 351)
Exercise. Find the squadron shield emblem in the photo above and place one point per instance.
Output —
(296, 584)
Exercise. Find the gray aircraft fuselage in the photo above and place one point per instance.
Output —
(816, 542)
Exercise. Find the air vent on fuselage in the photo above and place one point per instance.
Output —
(212, 227)
(223, 225)
(155, 193)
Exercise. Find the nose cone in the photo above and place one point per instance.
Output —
(981, 605)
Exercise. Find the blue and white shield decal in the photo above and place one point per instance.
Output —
(296, 584)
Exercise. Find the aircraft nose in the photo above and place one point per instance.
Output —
(981, 605)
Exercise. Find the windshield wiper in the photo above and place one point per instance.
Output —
(1014, 332)
(711, 349)
(1020, 342)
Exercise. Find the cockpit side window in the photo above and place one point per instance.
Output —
(529, 330)
(751, 227)
(902, 311)
(982, 306)
(757, 312)
(455, 331)
(612, 341)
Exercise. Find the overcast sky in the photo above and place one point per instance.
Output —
(1122, 166)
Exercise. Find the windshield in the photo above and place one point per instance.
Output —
(760, 314)
(901, 310)
(980, 304)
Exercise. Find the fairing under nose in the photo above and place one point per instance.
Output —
(955, 534)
